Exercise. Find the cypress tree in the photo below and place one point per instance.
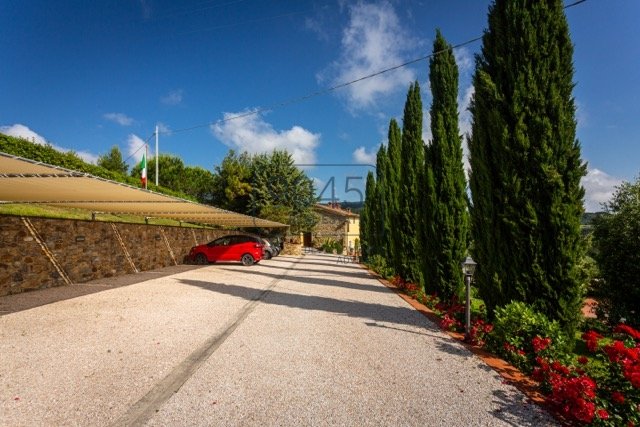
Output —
(392, 215)
(380, 203)
(366, 218)
(445, 197)
(412, 165)
(525, 161)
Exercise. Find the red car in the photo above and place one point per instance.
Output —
(246, 249)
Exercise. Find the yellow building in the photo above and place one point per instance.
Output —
(336, 224)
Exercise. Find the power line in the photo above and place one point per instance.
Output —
(140, 148)
(323, 91)
(338, 86)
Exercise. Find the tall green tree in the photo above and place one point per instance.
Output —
(198, 182)
(392, 214)
(367, 226)
(525, 161)
(171, 171)
(445, 212)
(617, 240)
(379, 221)
(113, 161)
(232, 182)
(411, 170)
(282, 192)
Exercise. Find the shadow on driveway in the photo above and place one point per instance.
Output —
(350, 308)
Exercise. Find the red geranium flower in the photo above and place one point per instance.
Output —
(617, 397)
(603, 414)
(540, 344)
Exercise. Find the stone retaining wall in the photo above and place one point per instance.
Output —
(39, 253)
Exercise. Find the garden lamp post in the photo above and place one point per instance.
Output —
(468, 268)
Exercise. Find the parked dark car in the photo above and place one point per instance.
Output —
(246, 249)
(269, 250)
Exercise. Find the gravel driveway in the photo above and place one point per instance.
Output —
(291, 341)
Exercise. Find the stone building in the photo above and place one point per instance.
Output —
(335, 225)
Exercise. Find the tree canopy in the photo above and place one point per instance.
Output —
(525, 162)
(113, 161)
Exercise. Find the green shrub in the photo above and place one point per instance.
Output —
(379, 264)
(514, 329)
(616, 238)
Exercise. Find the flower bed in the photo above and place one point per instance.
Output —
(601, 388)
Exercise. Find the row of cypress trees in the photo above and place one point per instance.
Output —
(523, 218)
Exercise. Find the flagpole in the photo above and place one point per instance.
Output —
(146, 156)
(157, 156)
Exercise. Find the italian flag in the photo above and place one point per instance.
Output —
(143, 172)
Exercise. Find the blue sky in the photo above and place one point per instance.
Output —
(85, 76)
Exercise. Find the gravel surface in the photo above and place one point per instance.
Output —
(291, 341)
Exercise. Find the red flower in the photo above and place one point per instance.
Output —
(583, 360)
(626, 329)
(591, 338)
(617, 397)
(540, 344)
(508, 347)
(559, 367)
(603, 414)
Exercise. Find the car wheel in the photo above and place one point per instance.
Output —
(247, 259)
(267, 255)
(201, 259)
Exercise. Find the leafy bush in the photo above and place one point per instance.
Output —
(617, 240)
(379, 264)
(329, 245)
(517, 329)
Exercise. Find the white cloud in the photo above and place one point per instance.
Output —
(360, 155)
(84, 155)
(599, 187)
(119, 118)
(135, 148)
(173, 98)
(21, 131)
(582, 115)
(146, 9)
(318, 183)
(252, 134)
(164, 129)
(373, 41)
(464, 60)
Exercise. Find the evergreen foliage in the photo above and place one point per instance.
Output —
(617, 240)
(232, 182)
(367, 225)
(192, 180)
(269, 186)
(411, 171)
(113, 161)
(445, 221)
(525, 162)
(379, 206)
(281, 192)
(392, 216)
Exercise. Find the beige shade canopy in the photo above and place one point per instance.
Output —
(27, 181)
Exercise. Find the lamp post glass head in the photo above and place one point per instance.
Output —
(468, 266)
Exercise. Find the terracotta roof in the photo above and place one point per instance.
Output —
(27, 181)
(335, 211)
